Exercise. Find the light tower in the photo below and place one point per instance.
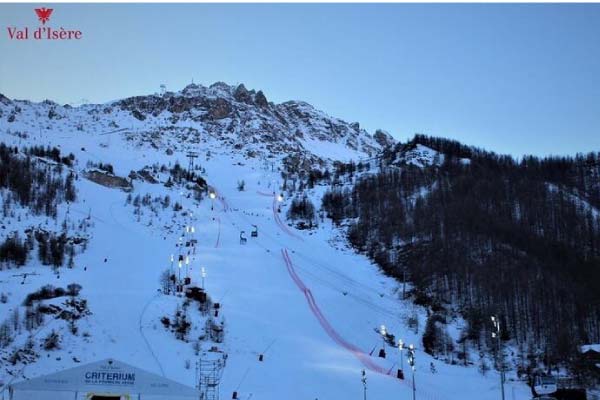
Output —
(401, 347)
(411, 362)
(279, 200)
(499, 361)
(212, 196)
(363, 379)
(383, 333)
(203, 274)
(179, 273)
(193, 241)
(171, 270)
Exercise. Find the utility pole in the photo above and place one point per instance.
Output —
(404, 282)
(383, 333)
(179, 274)
(411, 362)
(171, 273)
(193, 241)
(401, 347)
(364, 382)
(499, 361)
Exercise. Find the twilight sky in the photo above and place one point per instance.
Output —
(512, 78)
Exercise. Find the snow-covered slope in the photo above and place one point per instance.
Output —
(312, 309)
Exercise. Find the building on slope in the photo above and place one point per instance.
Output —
(102, 380)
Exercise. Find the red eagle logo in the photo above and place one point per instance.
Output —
(43, 14)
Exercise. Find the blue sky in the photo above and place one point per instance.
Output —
(513, 78)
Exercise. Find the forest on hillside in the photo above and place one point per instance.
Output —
(38, 180)
(519, 239)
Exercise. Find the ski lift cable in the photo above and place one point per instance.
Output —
(366, 301)
(352, 282)
(267, 249)
(330, 269)
(321, 265)
(269, 346)
(362, 357)
(243, 378)
(339, 274)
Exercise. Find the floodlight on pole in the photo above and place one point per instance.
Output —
(203, 274)
(179, 273)
(411, 362)
(187, 263)
(364, 382)
(499, 361)
(279, 200)
(212, 196)
(401, 347)
(383, 332)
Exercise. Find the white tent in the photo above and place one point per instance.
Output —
(102, 380)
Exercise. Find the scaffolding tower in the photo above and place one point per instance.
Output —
(209, 374)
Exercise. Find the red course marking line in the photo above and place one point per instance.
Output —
(278, 221)
(364, 358)
(331, 332)
(281, 224)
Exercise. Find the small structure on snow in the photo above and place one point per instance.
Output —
(102, 380)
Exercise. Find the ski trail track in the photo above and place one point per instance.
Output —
(365, 359)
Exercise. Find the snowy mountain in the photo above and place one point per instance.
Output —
(243, 120)
(113, 212)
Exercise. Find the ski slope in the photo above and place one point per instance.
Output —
(311, 308)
